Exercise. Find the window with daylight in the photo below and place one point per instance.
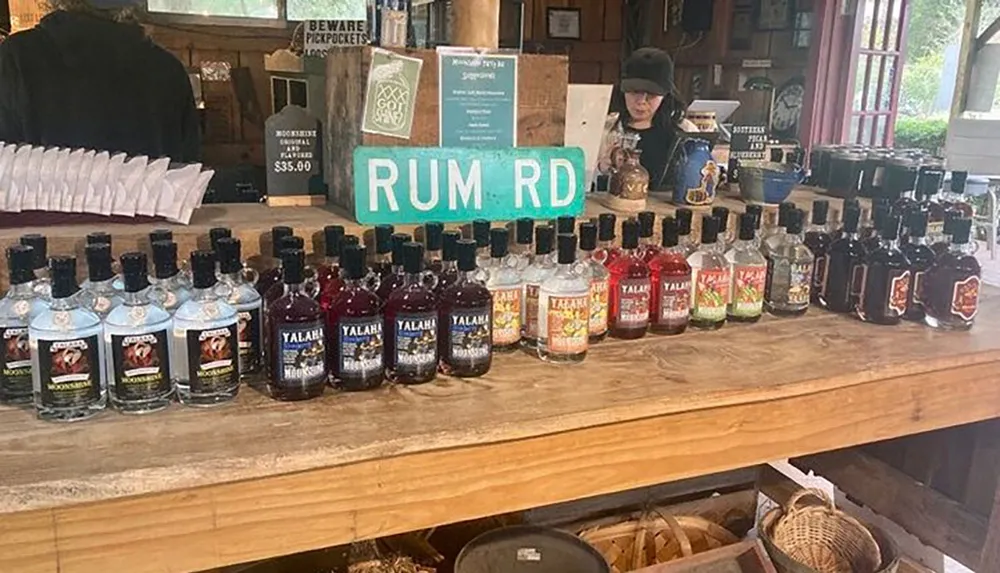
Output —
(292, 10)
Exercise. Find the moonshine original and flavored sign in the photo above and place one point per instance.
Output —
(407, 185)
(293, 152)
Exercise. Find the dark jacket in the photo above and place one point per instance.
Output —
(78, 80)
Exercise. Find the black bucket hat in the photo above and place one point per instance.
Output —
(648, 70)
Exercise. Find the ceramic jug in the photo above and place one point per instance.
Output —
(697, 175)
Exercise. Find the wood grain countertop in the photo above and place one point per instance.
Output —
(186, 489)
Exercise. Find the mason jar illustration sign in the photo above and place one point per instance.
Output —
(391, 94)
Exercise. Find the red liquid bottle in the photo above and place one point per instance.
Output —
(886, 279)
(448, 275)
(921, 257)
(670, 276)
(844, 265)
(356, 328)
(330, 290)
(817, 238)
(296, 350)
(411, 323)
(278, 289)
(272, 275)
(951, 295)
(394, 279)
(433, 242)
(329, 269)
(630, 287)
(606, 252)
(465, 323)
(382, 261)
(648, 247)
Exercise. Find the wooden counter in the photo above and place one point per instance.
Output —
(186, 490)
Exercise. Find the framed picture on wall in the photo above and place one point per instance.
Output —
(563, 23)
(741, 30)
(774, 14)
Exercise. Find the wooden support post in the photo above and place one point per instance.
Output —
(966, 56)
(990, 560)
(477, 23)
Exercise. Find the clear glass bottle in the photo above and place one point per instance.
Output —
(951, 295)
(355, 327)
(137, 339)
(648, 247)
(817, 237)
(381, 263)
(630, 287)
(886, 279)
(411, 323)
(102, 238)
(217, 233)
(687, 241)
(239, 279)
(524, 228)
(670, 275)
(68, 369)
(434, 245)
(542, 267)
(757, 211)
(18, 308)
(169, 286)
(504, 282)
(789, 271)
(205, 363)
(98, 292)
(920, 256)
(40, 244)
(465, 320)
(564, 318)
(161, 235)
(448, 274)
(296, 335)
(844, 261)
(606, 252)
(710, 278)
(395, 279)
(329, 269)
(775, 234)
(722, 214)
(748, 269)
(271, 275)
(600, 280)
(481, 235)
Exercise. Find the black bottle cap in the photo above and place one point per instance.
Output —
(467, 255)
(669, 232)
(228, 250)
(165, 259)
(398, 240)
(958, 179)
(498, 242)
(293, 265)
(630, 234)
(545, 236)
(433, 235)
(383, 239)
(352, 262)
(21, 262)
(722, 214)
(783, 210)
(852, 217)
(748, 226)
(961, 231)
(709, 229)
(63, 271)
(794, 220)
(567, 249)
(160, 235)
(890, 227)
(99, 238)
(481, 233)
(821, 211)
(203, 269)
(758, 213)
(647, 220)
(916, 223)
(930, 180)
(413, 257)
(449, 245)
(135, 271)
(216, 233)
(523, 229)
(293, 242)
(333, 238)
(347, 241)
(41, 247)
(606, 226)
(566, 224)
(277, 234)
(684, 218)
(99, 262)
(588, 236)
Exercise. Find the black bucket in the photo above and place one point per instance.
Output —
(529, 549)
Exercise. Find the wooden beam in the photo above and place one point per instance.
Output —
(988, 34)
(966, 56)
(990, 560)
(476, 23)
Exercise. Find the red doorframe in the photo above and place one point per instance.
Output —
(830, 66)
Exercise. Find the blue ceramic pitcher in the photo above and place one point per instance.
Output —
(697, 175)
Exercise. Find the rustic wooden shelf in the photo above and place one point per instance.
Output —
(187, 490)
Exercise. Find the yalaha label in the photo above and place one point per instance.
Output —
(213, 365)
(899, 291)
(748, 290)
(301, 354)
(675, 301)
(598, 306)
(470, 337)
(416, 343)
(141, 366)
(530, 325)
(70, 372)
(568, 318)
(633, 303)
(16, 361)
(360, 346)
(710, 293)
(250, 340)
(965, 298)
(506, 316)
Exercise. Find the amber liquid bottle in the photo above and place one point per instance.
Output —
(921, 257)
(670, 279)
(844, 261)
(818, 239)
(465, 320)
(886, 279)
(297, 352)
(272, 275)
(411, 330)
(392, 281)
(355, 326)
(951, 298)
(630, 288)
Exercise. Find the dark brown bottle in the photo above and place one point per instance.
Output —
(929, 185)
(382, 259)
(951, 294)
(871, 234)
(942, 246)
(848, 205)
(272, 275)
(355, 324)
(433, 241)
(465, 325)
(411, 330)
(296, 334)
(448, 275)
(886, 279)
(921, 257)
(481, 234)
(393, 280)
(817, 238)
(843, 265)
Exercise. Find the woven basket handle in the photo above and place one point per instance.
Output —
(639, 545)
(678, 531)
(793, 502)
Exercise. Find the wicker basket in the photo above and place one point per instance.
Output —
(652, 539)
(820, 538)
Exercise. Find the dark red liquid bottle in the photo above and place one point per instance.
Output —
(330, 289)
(355, 326)
(278, 288)
(648, 247)
(607, 252)
(272, 275)
(921, 257)
(329, 269)
(670, 277)
(844, 265)
(886, 279)
(434, 242)
(393, 280)
(817, 238)
(951, 295)
(382, 259)
(296, 350)
(465, 320)
(448, 275)
(628, 311)
(411, 323)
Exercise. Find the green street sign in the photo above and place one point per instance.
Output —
(410, 185)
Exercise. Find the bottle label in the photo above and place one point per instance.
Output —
(470, 340)
(918, 288)
(507, 316)
(70, 372)
(748, 290)
(248, 326)
(360, 346)
(141, 366)
(965, 298)
(899, 291)
(213, 364)
(859, 273)
(301, 354)
(531, 311)
(799, 282)
(15, 376)
(710, 294)
(598, 306)
(416, 343)
(819, 274)
(633, 303)
(675, 301)
(568, 319)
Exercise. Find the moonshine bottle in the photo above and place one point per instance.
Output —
(564, 308)
(297, 367)
(630, 287)
(243, 297)
(465, 320)
(98, 292)
(670, 273)
(542, 266)
(504, 282)
(355, 326)
(411, 323)
(18, 307)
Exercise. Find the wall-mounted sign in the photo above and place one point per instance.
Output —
(748, 142)
(293, 152)
(406, 185)
(391, 94)
(321, 35)
(478, 95)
